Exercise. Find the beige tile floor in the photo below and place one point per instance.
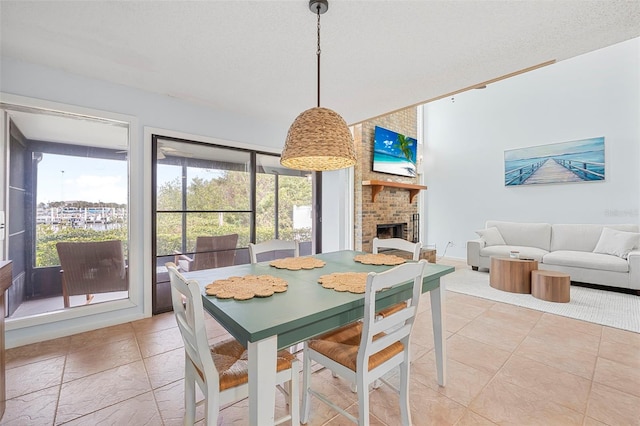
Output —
(506, 365)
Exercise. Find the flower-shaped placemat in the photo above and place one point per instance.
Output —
(297, 263)
(379, 259)
(245, 288)
(353, 282)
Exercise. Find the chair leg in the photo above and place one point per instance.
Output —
(405, 408)
(294, 393)
(212, 405)
(440, 342)
(189, 395)
(306, 384)
(363, 399)
(65, 294)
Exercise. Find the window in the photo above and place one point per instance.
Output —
(283, 208)
(66, 185)
(78, 199)
(202, 190)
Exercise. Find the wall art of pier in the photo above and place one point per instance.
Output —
(575, 161)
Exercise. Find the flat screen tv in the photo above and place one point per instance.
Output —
(394, 153)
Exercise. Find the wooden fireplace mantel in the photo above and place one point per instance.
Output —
(378, 185)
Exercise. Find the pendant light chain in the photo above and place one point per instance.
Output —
(318, 139)
(318, 54)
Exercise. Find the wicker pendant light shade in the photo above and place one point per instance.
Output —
(318, 139)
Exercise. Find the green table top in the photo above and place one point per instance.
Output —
(306, 309)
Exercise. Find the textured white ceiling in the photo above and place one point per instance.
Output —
(258, 57)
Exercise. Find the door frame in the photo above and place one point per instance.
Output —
(21, 331)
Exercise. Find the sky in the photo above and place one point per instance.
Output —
(69, 178)
(555, 149)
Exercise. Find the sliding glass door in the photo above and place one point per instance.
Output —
(211, 201)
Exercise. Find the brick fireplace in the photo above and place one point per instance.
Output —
(390, 205)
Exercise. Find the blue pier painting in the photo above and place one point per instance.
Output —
(574, 161)
(394, 153)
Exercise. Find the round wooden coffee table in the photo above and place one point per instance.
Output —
(512, 275)
(551, 286)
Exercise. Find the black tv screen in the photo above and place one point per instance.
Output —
(394, 153)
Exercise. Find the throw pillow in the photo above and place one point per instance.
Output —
(491, 236)
(617, 243)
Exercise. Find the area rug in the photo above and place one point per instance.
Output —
(608, 308)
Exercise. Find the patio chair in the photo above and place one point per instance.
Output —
(275, 247)
(364, 351)
(91, 267)
(219, 370)
(211, 252)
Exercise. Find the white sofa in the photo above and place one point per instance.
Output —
(567, 248)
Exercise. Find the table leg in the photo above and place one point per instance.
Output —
(437, 317)
(262, 380)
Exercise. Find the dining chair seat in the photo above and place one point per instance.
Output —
(391, 309)
(231, 360)
(342, 345)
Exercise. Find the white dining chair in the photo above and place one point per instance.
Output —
(396, 244)
(276, 247)
(220, 370)
(364, 352)
(273, 246)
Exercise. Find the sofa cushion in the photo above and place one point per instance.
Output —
(616, 243)
(581, 237)
(586, 260)
(524, 234)
(491, 236)
(503, 251)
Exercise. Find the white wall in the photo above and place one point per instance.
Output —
(150, 111)
(596, 94)
(337, 210)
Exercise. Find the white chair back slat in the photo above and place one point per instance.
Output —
(388, 339)
(273, 245)
(397, 244)
(395, 320)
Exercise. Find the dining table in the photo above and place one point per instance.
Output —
(265, 325)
